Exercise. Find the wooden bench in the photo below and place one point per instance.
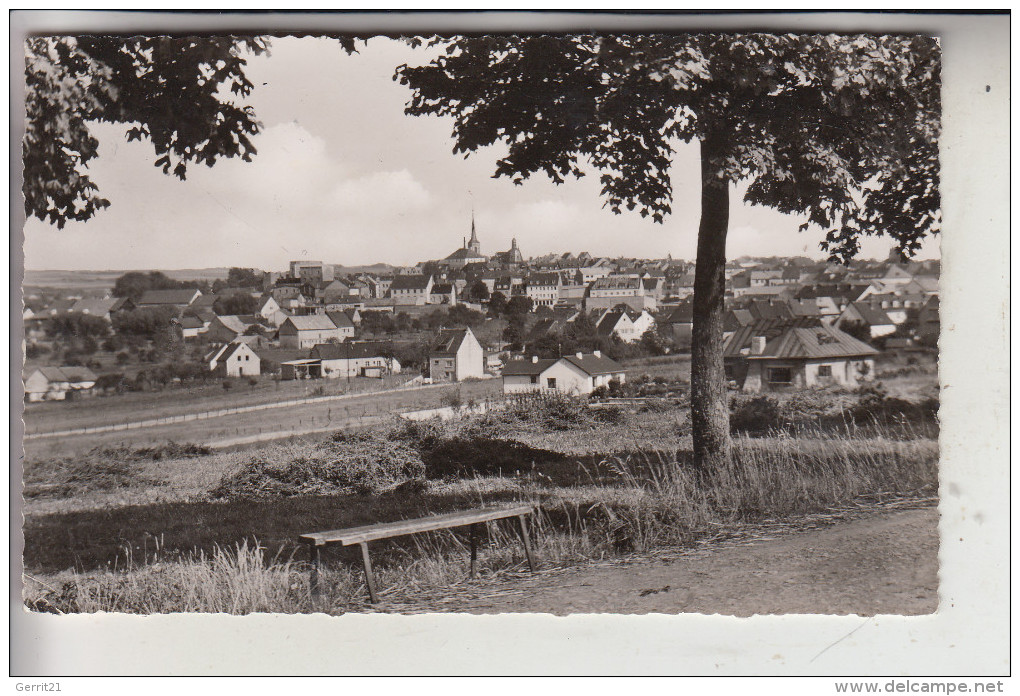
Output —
(386, 530)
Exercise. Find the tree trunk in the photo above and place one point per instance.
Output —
(710, 422)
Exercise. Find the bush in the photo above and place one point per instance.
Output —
(759, 415)
(365, 463)
(227, 385)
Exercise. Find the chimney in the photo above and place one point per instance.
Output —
(534, 358)
(598, 354)
(580, 355)
(757, 345)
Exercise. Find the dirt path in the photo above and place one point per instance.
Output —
(885, 563)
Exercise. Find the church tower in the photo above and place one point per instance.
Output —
(474, 245)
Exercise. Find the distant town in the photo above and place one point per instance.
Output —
(559, 322)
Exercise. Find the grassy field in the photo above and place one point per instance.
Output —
(175, 529)
(132, 406)
(285, 420)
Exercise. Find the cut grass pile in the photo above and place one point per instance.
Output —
(101, 469)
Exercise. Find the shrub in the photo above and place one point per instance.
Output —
(759, 415)
(227, 385)
(366, 463)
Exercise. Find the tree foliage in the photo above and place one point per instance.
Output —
(239, 303)
(134, 284)
(842, 129)
(171, 91)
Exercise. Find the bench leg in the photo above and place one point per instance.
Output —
(523, 520)
(313, 576)
(474, 548)
(369, 579)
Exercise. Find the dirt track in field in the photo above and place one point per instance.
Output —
(884, 563)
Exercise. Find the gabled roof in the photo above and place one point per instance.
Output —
(449, 341)
(227, 351)
(521, 368)
(805, 308)
(536, 279)
(462, 254)
(67, 373)
(169, 297)
(98, 306)
(609, 321)
(341, 320)
(872, 315)
(819, 342)
(311, 322)
(761, 309)
(346, 351)
(683, 313)
(410, 282)
(594, 364)
(738, 343)
(442, 288)
(617, 282)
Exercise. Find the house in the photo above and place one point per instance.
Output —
(235, 359)
(350, 359)
(343, 324)
(104, 307)
(312, 271)
(227, 327)
(782, 357)
(307, 331)
(270, 310)
(443, 293)
(629, 325)
(411, 289)
(609, 291)
(543, 288)
(679, 324)
(573, 374)
(191, 326)
(872, 316)
(928, 322)
(58, 383)
(169, 298)
(456, 356)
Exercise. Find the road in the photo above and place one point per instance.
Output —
(884, 563)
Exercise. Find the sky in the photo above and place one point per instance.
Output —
(343, 176)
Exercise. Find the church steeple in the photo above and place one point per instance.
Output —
(474, 245)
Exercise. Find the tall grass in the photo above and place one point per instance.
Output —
(637, 502)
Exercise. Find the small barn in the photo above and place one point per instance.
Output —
(59, 383)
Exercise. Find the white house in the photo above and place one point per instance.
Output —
(543, 288)
(235, 359)
(58, 383)
(456, 355)
(625, 322)
(411, 289)
(573, 374)
(350, 359)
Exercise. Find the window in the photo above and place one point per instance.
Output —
(550, 382)
(780, 375)
(825, 370)
(534, 379)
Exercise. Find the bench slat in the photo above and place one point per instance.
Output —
(385, 530)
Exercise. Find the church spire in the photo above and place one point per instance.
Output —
(474, 245)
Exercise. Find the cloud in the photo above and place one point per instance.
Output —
(381, 192)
